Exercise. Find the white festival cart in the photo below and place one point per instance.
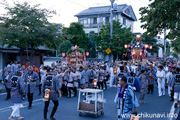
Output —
(93, 102)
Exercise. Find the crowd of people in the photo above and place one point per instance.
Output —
(128, 77)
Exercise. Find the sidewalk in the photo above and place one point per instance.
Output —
(2, 88)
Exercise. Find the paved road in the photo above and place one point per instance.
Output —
(68, 107)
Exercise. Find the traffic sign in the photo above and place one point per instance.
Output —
(108, 51)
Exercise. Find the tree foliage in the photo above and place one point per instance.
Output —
(161, 14)
(65, 46)
(26, 25)
(121, 36)
(150, 41)
(176, 44)
(76, 35)
(91, 44)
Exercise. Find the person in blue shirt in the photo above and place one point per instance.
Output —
(125, 99)
(134, 81)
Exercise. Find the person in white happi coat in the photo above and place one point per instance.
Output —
(60, 77)
(76, 79)
(112, 75)
(65, 77)
(168, 77)
(134, 68)
(70, 82)
(97, 74)
(107, 76)
(82, 80)
(161, 81)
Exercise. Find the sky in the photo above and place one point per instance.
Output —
(66, 9)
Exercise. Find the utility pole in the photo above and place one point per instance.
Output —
(111, 18)
(98, 23)
(111, 22)
(164, 44)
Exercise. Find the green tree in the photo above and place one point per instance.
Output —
(150, 41)
(65, 46)
(176, 44)
(27, 26)
(121, 36)
(91, 44)
(174, 54)
(58, 38)
(161, 14)
(76, 35)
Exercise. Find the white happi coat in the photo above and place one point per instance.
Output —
(71, 79)
(111, 76)
(77, 77)
(161, 82)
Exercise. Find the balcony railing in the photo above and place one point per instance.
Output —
(92, 25)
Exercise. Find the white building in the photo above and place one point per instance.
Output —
(160, 41)
(94, 17)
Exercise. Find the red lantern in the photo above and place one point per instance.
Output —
(126, 46)
(87, 53)
(146, 46)
(150, 47)
(63, 54)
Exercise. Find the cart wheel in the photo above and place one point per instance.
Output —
(80, 113)
(102, 113)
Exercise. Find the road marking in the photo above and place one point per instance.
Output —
(3, 94)
(25, 104)
(172, 111)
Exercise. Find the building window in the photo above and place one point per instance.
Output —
(124, 21)
(98, 20)
(81, 21)
(94, 20)
(85, 22)
(114, 17)
(107, 20)
(89, 21)
(104, 20)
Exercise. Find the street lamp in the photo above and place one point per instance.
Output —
(111, 16)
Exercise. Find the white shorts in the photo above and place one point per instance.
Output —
(177, 96)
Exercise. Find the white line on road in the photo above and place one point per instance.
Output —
(20, 107)
(23, 105)
(3, 94)
(172, 112)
